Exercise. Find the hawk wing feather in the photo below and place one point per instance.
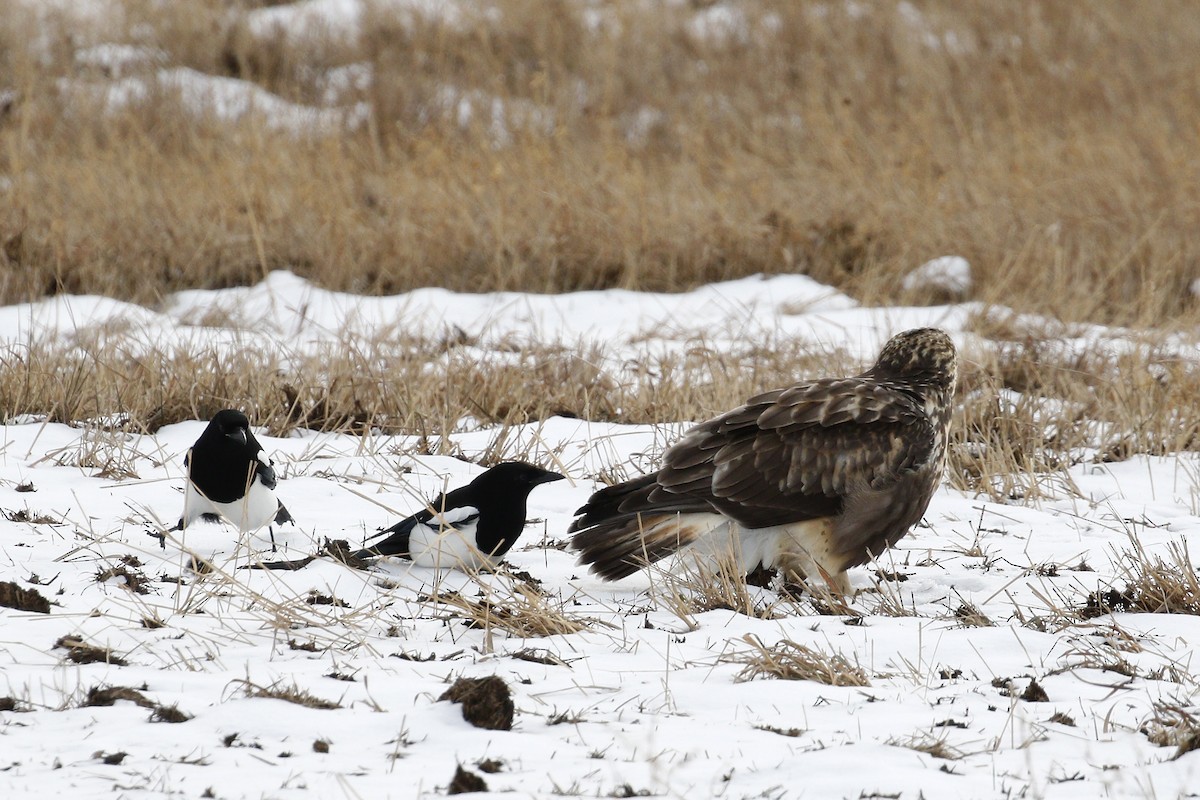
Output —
(795, 454)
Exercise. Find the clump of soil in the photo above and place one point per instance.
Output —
(1034, 693)
(81, 652)
(13, 596)
(108, 695)
(465, 782)
(486, 702)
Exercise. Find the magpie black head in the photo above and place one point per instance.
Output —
(232, 424)
(514, 476)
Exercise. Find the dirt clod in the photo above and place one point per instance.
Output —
(13, 596)
(170, 714)
(80, 652)
(486, 702)
(1034, 693)
(464, 782)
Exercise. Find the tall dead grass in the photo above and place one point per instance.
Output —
(1027, 410)
(621, 144)
(387, 385)
(1040, 404)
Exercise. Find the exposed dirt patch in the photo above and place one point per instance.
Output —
(14, 596)
(80, 652)
(486, 702)
(135, 580)
(465, 782)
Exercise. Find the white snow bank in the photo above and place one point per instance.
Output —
(223, 99)
(948, 275)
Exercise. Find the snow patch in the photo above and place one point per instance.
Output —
(948, 275)
(224, 99)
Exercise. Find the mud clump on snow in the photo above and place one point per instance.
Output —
(107, 696)
(14, 596)
(1034, 693)
(80, 652)
(486, 702)
(465, 782)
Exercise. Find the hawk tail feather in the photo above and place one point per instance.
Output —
(621, 546)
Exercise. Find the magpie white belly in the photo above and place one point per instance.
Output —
(252, 512)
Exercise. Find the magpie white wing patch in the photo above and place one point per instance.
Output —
(454, 517)
(447, 541)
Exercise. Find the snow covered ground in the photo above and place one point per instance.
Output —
(647, 697)
(978, 685)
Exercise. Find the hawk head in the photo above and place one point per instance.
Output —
(924, 358)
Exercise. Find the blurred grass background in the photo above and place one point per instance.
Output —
(560, 144)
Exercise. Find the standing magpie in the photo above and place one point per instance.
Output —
(231, 478)
(471, 527)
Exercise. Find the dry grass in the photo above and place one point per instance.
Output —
(638, 154)
(292, 693)
(1046, 142)
(1153, 584)
(1015, 445)
(1026, 412)
(1036, 406)
(514, 607)
(788, 660)
(380, 383)
(697, 585)
(925, 742)
(1175, 726)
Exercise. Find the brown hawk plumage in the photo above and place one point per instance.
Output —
(813, 479)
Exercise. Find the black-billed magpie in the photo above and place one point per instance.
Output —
(469, 528)
(230, 478)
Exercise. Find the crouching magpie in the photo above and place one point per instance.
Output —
(231, 479)
(469, 528)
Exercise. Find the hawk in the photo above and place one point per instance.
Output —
(813, 479)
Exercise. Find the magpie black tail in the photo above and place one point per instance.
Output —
(396, 544)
